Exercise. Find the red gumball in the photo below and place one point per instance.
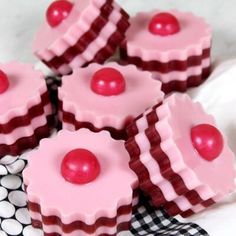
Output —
(164, 24)
(4, 83)
(207, 140)
(58, 11)
(80, 166)
(108, 82)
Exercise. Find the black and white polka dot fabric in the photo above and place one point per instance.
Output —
(15, 220)
(14, 217)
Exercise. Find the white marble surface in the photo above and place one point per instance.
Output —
(19, 20)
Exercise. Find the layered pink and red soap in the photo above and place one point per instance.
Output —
(25, 109)
(174, 45)
(181, 158)
(106, 97)
(92, 188)
(90, 32)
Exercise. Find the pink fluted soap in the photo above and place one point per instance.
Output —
(25, 110)
(174, 45)
(106, 97)
(77, 33)
(182, 159)
(100, 204)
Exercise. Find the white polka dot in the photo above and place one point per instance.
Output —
(22, 215)
(11, 181)
(18, 198)
(16, 167)
(2, 233)
(30, 231)
(12, 227)
(23, 186)
(6, 160)
(3, 193)
(3, 170)
(7, 210)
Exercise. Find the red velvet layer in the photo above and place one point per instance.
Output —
(80, 225)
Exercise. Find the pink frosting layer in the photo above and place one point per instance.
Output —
(59, 38)
(101, 198)
(193, 37)
(25, 90)
(141, 93)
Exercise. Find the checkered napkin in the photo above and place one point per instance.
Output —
(148, 221)
(15, 220)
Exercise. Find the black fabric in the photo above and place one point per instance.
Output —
(149, 221)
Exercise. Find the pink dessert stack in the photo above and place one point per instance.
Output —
(175, 46)
(106, 97)
(87, 31)
(25, 109)
(80, 192)
(173, 152)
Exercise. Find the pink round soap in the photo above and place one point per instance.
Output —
(179, 58)
(106, 97)
(82, 32)
(102, 205)
(25, 109)
(182, 159)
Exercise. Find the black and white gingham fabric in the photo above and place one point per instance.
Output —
(148, 221)
(15, 220)
(52, 84)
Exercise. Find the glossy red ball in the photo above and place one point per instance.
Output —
(207, 140)
(4, 83)
(58, 11)
(108, 82)
(164, 24)
(80, 166)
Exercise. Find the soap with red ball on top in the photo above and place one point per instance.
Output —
(175, 46)
(78, 33)
(90, 172)
(25, 114)
(180, 156)
(106, 97)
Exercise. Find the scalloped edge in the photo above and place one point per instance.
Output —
(122, 213)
